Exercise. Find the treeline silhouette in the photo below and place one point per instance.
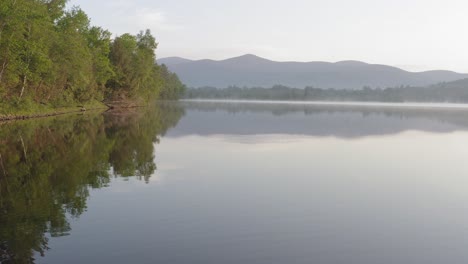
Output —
(455, 92)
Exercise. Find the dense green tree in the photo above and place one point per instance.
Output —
(172, 86)
(122, 56)
(24, 44)
(136, 74)
(53, 56)
(99, 43)
(74, 62)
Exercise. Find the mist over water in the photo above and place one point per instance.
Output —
(345, 120)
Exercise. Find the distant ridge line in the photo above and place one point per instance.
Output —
(253, 71)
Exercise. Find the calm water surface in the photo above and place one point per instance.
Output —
(211, 182)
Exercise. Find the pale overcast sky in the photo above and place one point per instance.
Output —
(412, 34)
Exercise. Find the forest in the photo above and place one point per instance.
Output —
(453, 92)
(51, 56)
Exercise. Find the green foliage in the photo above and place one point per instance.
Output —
(136, 74)
(173, 87)
(54, 56)
(99, 41)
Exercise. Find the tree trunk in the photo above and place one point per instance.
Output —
(22, 88)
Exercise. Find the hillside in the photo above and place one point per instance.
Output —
(253, 71)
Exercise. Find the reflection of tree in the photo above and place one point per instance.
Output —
(47, 167)
(133, 154)
(456, 116)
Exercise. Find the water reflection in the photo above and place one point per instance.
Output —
(47, 167)
(211, 118)
(282, 197)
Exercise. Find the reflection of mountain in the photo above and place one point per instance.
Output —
(48, 165)
(205, 118)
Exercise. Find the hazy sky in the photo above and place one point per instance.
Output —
(412, 34)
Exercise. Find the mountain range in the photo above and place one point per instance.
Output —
(253, 71)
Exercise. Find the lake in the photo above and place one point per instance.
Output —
(237, 182)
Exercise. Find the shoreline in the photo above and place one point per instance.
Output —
(14, 117)
(104, 106)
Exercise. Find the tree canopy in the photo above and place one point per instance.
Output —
(53, 55)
